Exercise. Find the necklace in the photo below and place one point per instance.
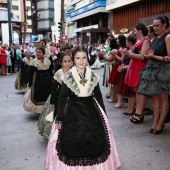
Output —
(83, 81)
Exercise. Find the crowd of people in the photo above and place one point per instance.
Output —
(61, 86)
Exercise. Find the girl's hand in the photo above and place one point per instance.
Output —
(121, 68)
(149, 51)
(125, 52)
(148, 56)
(114, 51)
(100, 54)
(166, 58)
(58, 126)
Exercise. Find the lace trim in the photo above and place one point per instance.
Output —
(58, 76)
(26, 61)
(85, 161)
(41, 65)
(71, 79)
(47, 53)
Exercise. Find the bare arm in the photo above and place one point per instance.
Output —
(109, 58)
(116, 56)
(145, 47)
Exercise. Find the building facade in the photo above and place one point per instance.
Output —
(88, 20)
(124, 15)
(45, 17)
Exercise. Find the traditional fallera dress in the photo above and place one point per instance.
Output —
(40, 83)
(155, 77)
(47, 116)
(85, 141)
(22, 78)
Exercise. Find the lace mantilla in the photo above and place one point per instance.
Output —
(72, 80)
(26, 61)
(58, 76)
(41, 65)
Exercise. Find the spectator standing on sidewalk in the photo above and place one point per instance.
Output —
(19, 56)
(137, 62)
(2, 58)
(32, 50)
(156, 75)
(13, 56)
(8, 60)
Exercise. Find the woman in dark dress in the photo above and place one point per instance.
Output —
(85, 139)
(46, 118)
(124, 89)
(156, 75)
(40, 82)
(25, 68)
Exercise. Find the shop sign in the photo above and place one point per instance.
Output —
(124, 30)
(88, 8)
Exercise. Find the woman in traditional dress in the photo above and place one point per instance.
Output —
(40, 82)
(85, 139)
(156, 75)
(22, 78)
(46, 117)
(25, 68)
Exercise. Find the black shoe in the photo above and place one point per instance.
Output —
(128, 114)
(137, 119)
(156, 132)
(151, 130)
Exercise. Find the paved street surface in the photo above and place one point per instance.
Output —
(22, 148)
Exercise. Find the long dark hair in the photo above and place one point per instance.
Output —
(113, 44)
(143, 28)
(122, 40)
(132, 39)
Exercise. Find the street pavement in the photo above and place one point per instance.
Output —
(22, 148)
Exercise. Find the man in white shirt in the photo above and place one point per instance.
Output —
(32, 50)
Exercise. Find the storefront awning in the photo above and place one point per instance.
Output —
(102, 30)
